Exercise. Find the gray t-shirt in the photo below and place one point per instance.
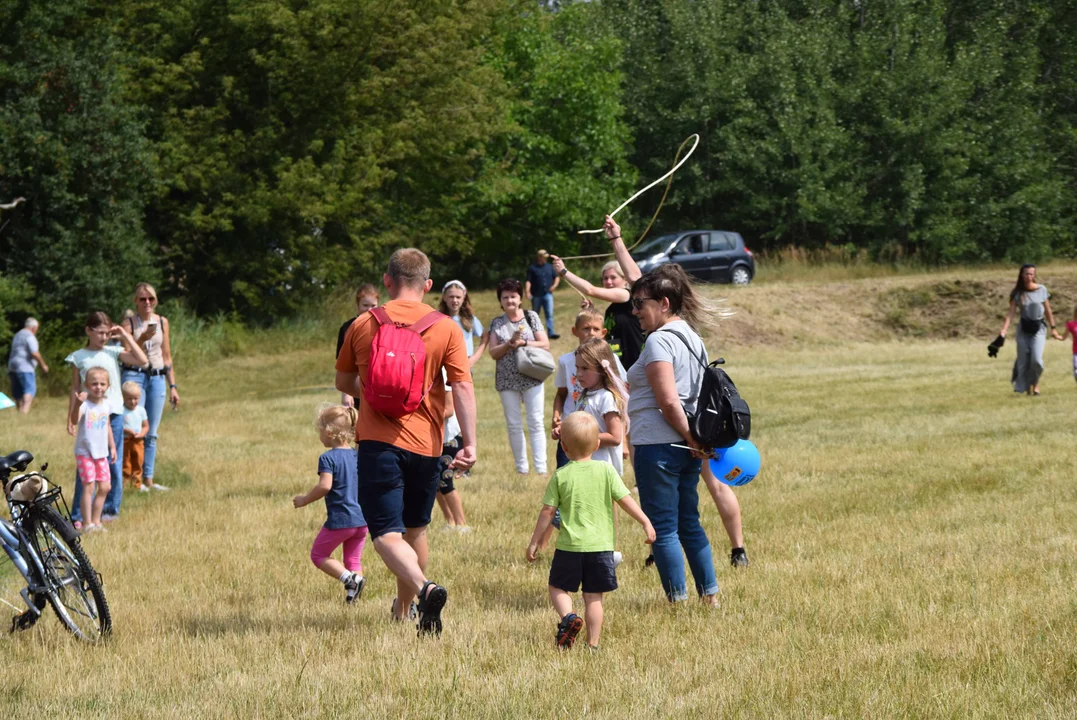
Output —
(1032, 302)
(22, 345)
(648, 425)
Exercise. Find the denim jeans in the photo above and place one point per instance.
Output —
(154, 392)
(544, 303)
(115, 495)
(667, 479)
(532, 401)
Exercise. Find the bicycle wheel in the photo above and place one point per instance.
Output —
(73, 586)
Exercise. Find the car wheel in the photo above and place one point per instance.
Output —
(741, 276)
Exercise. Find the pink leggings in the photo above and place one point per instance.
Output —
(328, 540)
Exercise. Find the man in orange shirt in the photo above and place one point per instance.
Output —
(398, 457)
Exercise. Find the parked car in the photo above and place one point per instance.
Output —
(709, 255)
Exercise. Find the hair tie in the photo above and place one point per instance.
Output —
(451, 283)
(606, 364)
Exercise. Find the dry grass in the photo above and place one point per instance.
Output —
(911, 538)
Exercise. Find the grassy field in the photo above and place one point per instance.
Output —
(912, 539)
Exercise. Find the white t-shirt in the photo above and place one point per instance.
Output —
(566, 378)
(92, 438)
(132, 419)
(107, 358)
(599, 403)
(452, 425)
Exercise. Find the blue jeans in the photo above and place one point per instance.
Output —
(544, 303)
(667, 479)
(154, 391)
(115, 494)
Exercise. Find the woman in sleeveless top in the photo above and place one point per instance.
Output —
(158, 378)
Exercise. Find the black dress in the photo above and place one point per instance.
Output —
(625, 335)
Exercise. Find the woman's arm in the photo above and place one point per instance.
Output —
(498, 347)
(1050, 319)
(484, 340)
(541, 340)
(166, 355)
(73, 401)
(133, 354)
(613, 295)
(614, 430)
(628, 264)
(325, 484)
(1009, 318)
(662, 381)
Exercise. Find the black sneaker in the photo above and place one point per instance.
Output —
(568, 629)
(738, 558)
(555, 336)
(353, 588)
(430, 604)
(649, 561)
(413, 612)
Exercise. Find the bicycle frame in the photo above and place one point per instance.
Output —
(18, 548)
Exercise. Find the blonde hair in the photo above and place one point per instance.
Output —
(615, 265)
(597, 353)
(579, 435)
(95, 371)
(144, 286)
(409, 267)
(338, 421)
(130, 388)
(590, 312)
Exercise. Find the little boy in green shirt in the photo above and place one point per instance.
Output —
(584, 491)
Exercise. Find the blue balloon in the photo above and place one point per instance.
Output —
(737, 465)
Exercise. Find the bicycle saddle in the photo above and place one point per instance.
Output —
(17, 460)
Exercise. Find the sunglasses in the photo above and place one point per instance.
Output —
(147, 299)
(637, 302)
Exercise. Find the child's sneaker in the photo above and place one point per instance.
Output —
(738, 558)
(144, 488)
(353, 588)
(568, 629)
(78, 525)
(161, 488)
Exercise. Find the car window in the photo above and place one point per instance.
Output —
(655, 245)
(691, 244)
(721, 241)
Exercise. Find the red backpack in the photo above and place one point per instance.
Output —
(394, 385)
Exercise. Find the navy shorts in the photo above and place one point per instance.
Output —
(22, 383)
(397, 488)
(594, 570)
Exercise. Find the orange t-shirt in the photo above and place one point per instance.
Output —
(421, 431)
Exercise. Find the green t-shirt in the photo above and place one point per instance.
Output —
(584, 492)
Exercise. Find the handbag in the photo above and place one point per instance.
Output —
(1030, 326)
(534, 362)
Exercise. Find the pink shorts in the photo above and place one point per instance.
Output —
(91, 471)
(328, 540)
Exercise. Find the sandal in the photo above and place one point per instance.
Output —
(432, 599)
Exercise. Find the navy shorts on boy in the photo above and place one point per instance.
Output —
(594, 570)
(342, 503)
(397, 488)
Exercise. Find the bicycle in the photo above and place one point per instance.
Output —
(45, 548)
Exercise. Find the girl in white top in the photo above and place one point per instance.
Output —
(605, 398)
(456, 303)
(95, 446)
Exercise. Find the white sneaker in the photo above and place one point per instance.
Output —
(463, 529)
(617, 558)
(144, 488)
(162, 488)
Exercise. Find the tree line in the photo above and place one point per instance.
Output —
(251, 155)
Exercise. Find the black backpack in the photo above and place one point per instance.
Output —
(722, 416)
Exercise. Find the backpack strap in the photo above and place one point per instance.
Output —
(424, 323)
(527, 316)
(699, 358)
(381, 316)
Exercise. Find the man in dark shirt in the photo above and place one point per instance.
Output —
(542, 280)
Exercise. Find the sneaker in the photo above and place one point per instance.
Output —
(448, 528)
(463, 529)
(738, 558)
(554, 336)
(649, 561)
(431, 601)
(161, 488)
(618, 558)
(353, 588)
(109, 517)
(96, 529)
(144, 488)
(77, 524)
(413, 612)
(568, 629)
